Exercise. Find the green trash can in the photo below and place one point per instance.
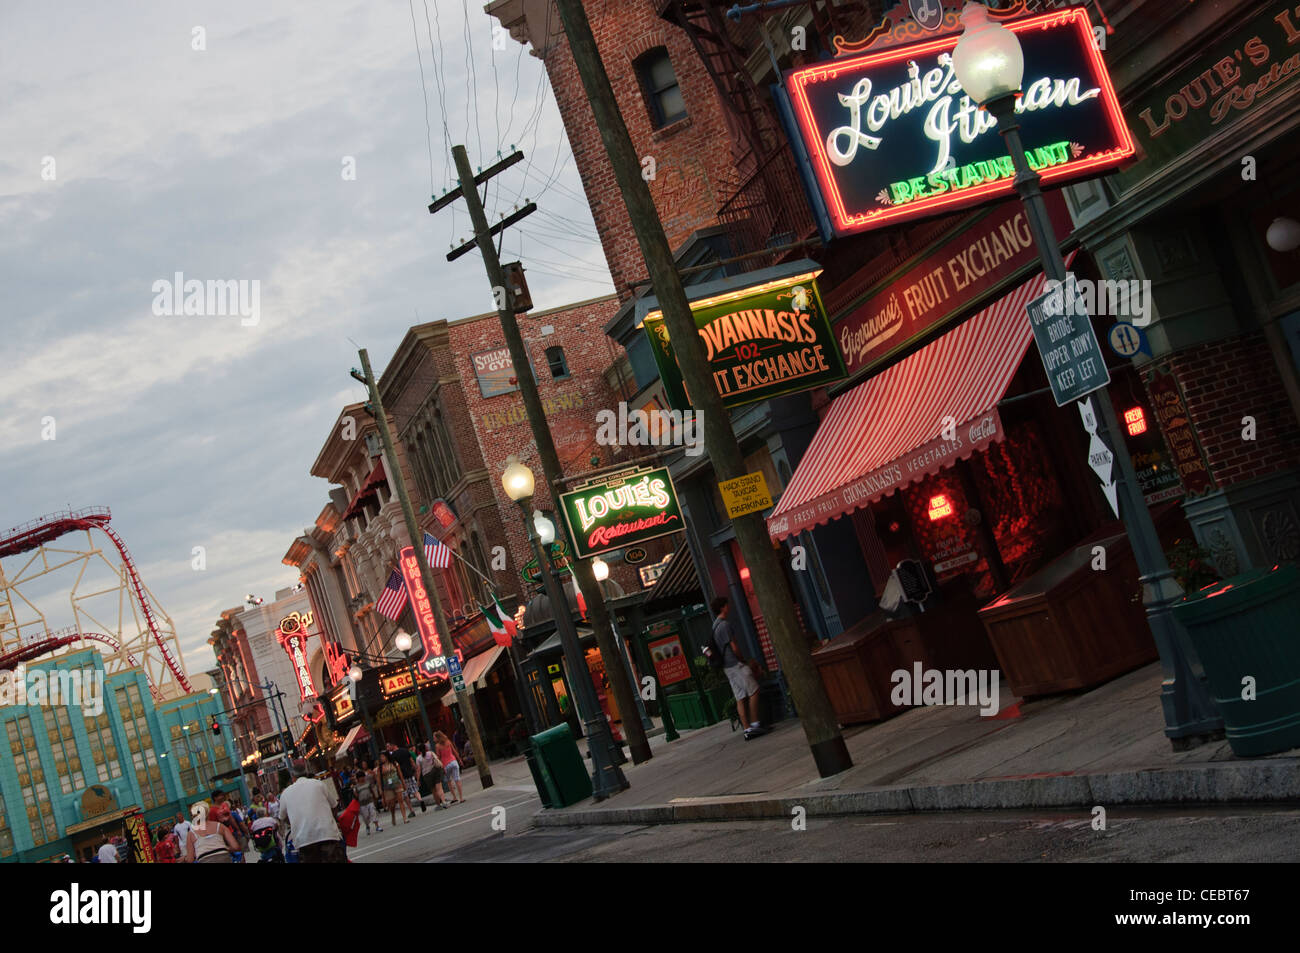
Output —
(561, 765)
(1249, 625)
(546, 792)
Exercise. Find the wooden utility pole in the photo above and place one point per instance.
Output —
(819, 723)
(615, 669)
(467, 701)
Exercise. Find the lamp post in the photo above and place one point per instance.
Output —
(989, 64)
(600, 569)
(607, 777)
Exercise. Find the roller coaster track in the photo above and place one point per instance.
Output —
(60, 638)
(47, 528)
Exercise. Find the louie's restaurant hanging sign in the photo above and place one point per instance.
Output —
(621, 509)
(891, 136)
(761, 341)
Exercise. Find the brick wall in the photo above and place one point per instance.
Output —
(1225, 381)
(695, 167)
(500, 427)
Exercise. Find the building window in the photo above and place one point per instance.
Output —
(148, 773)
(555, 358)
(659, 84)
(64, 747)
(31, 780)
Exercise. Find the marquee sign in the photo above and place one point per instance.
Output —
(622, 509)
(422, 606)
(294, 641)
(761, 341)
(890, 136)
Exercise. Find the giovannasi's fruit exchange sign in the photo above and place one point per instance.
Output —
(891, 136)
(621, 509)
(761, 341)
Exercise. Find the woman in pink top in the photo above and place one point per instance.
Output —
(450, 765)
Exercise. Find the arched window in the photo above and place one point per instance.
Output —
(659, 85)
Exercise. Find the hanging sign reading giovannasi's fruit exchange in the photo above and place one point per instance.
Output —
(761, 341)
(621, 509)
(889, 135)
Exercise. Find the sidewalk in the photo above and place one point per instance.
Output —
(1104, 747)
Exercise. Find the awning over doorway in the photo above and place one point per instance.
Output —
(377, 476)
(475, 672)
(888, 432)
(356, 735)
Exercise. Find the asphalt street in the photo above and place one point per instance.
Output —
(465, 834)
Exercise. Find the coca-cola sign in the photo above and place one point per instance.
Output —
(891, 136)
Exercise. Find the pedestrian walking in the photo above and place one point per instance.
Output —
(391, 783)
(182, 831)
(307, 811)
(266, 838)
(210, 841)
(350, 825)
(447, 754)
(429, 769)
(166, 850)
(461, 740)
(410, 791)
(741, 673)
(107, 851)
(364, 786)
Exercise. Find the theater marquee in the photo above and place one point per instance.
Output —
(761, 341)
(890, 136)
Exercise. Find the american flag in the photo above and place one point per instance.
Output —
(393, 601)
(439, 556)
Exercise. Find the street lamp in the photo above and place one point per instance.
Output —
(990, 66)
(402, 641)
(600, 569)
(545, 528)
(607, 778)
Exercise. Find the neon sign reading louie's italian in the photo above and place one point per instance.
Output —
(620, 510)
(891, 135)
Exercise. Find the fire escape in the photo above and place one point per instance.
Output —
(764, 205)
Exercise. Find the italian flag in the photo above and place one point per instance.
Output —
(503, 627)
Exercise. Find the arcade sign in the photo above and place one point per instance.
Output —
(622, 509)
(890, 136)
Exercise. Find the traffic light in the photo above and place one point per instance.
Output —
(216, 726)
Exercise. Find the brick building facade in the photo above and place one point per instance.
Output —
(697, 159)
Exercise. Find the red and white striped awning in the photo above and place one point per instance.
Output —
(888, 432)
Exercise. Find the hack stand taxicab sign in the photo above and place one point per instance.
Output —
(761, 341)
(621, 509)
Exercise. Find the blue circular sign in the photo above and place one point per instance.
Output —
(1125, 340)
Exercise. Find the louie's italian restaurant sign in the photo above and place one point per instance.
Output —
(620, 510)
(761, 341)
(891, 136)
(1237, 76)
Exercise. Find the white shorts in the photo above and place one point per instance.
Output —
(742, 681)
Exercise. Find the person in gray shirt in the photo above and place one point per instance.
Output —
(738, 669)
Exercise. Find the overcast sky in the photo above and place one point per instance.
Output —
(227, 163)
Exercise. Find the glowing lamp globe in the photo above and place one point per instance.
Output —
(988, 60)
(403, 641)
(517, 480)
(1283, 235)
(354, 673)
(544, 527)
(600, 569)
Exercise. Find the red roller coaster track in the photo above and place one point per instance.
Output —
(29, 535)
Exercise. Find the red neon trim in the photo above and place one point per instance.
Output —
(847, 222)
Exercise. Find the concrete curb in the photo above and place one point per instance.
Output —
(1220, 783)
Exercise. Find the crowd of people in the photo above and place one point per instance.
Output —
(317, 817)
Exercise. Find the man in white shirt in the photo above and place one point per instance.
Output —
(307, 810)
(182, 831)
(107, 852)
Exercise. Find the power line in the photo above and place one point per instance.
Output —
(471, 101)
(424, 89)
